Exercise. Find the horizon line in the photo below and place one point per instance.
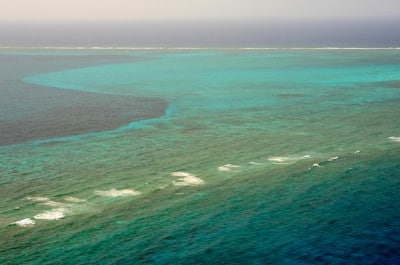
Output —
(191, 48)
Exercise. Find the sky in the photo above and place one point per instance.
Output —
(208, 23)
(134, 10)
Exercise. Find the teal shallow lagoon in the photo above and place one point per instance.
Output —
(315, 177)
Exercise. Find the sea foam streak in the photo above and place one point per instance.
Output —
(54, 214)
(186, 179)
(333, 158)
(117, 193)
(228, 167)
(27, 222)
(74, 199)
(37, 199)
(394, 139)
(46, 201)
(255, 163)
(286, 159)
(54, 204)
(59, 210)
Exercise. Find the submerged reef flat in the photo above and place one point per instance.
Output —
(32, 112)
(80, 113)
(286, 156)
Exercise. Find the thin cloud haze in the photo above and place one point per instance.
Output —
(133, 10)
(207, 23)
(203, 34)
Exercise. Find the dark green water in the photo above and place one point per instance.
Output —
(262, 157)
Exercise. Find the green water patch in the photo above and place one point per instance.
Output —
(277, 215)
(257, 163)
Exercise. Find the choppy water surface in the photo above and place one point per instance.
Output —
(275, 156)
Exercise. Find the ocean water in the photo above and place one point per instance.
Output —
(237, 157)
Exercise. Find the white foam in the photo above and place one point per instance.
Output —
(181, 174)
(46, 201)
(117, 193)
(74, 199)
(228, 167)
(313, 166)
(186, 179)
(189, 181)
(53, 204)
(333, 158)
(394, 139)
(286, 159)
(54, 214)
(279, 159)
(224, 168)
(38, 199)
(27, 222)
(357, 152)
(255, 163)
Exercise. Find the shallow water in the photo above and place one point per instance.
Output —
(304, 137)
(31, 112)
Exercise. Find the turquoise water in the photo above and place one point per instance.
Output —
(283, 157)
